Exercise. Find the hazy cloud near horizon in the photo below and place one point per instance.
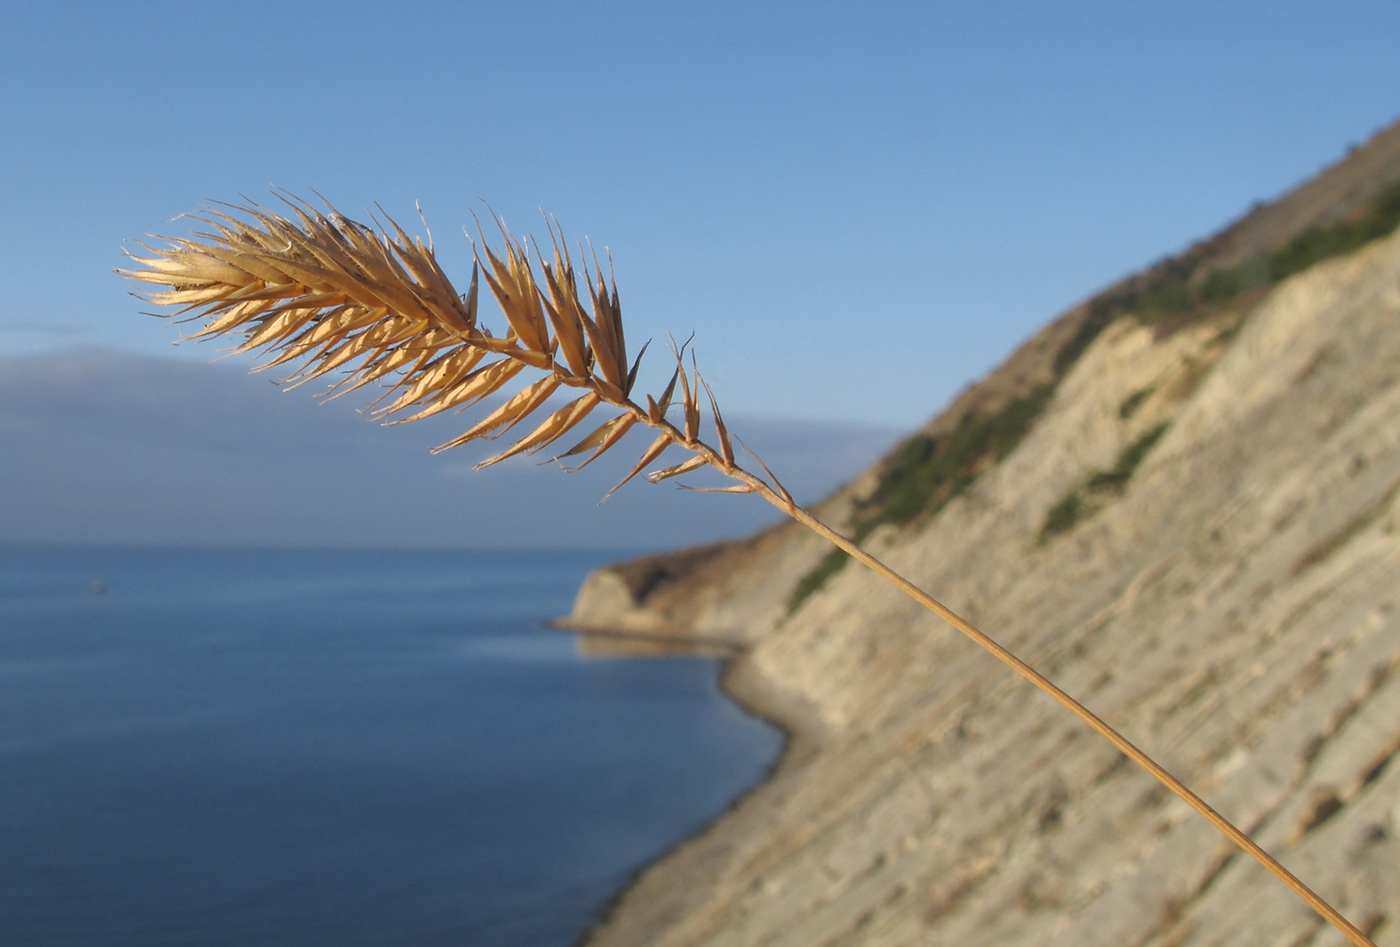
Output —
(100, 446)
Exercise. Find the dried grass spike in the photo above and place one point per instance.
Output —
(479, 384)
(605, 328)
(440, 374)
(601, 440)
(656, 409)
(325, 291)
(691, 403)
(736, 488)
(777, 484)
(684, 467)
(564, 307)
(509, 414)
(657, 448)
(554, 427)
(726, 447)
(516, 290)
(636, 364)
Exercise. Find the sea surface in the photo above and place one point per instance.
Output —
(309, 747)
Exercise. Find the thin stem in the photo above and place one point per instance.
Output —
(1314, 900)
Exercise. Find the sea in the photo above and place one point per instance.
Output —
(232, 746)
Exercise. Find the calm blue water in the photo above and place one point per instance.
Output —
(281, 747)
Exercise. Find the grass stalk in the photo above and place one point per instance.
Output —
(371, 304)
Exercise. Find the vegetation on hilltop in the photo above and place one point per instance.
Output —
(927, 471)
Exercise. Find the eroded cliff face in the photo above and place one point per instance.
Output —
(1230, 605)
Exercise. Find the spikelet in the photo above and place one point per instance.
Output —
(313, 289)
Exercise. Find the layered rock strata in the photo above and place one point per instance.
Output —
(1231, 607)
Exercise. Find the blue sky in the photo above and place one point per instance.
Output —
(858, 207)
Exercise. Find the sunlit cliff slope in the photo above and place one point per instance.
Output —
(1181, 501)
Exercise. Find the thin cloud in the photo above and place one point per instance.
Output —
(110, 447)
(60, 330)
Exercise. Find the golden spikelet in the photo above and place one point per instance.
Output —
(318, 290)
(371, 303)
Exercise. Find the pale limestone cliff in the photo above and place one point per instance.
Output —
(1233, 610)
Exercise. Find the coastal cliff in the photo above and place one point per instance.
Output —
(1181, 501)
